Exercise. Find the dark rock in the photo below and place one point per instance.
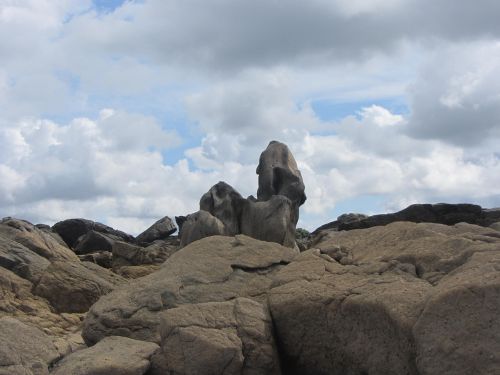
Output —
(180, 222)
(158, 231)
(125, 254)
(74, 287)
(93, 241)
(341, 220)
(70, 230)
(103, 259)
(199, 225)
(113, 355)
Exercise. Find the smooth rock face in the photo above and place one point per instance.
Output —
(214, 269)
(74, 287)
(234, 337)
(93, 241)
(158, 231)
(70, 230)
(199, 225)
(24, 349)
(269, 220)
(113, 355)
(279, 174)
(38, 241)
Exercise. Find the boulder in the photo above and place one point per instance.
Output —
(74, 287)
(126, 254)
(269, 220)
(199, 225)
(225, 203)
(214, 269)
(279, 175)
(234, 337)
(113, 355)
(495, 226)
(24, 349)
(38, 241)
(21, 260)
(103, 259)
(158, 231)
(341, 220)
(70, 230)
(93, 241)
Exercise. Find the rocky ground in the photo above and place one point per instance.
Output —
(414, 292)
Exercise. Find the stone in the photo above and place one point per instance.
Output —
(160, 230)
(341, 220)
(36, 240)
(269, 220)
(495, 226)
(125, 254)
(103, 259)
(233, 337)
(93, 241)
(134, 272)
(214, 269)
(21, 260)
(73, 286)
(226, 204)
(199, 225)
(112, 355)
(279, 174)
(24, 349)
(70, 230)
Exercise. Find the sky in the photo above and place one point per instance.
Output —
(127, 111)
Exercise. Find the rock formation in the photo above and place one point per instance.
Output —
(271, 217)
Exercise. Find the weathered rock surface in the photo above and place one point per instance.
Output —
(36, 240)
(160, 230)
(343, 219)
(75, 286)
(214, 269)
(113, 355)
(24, 349)
(70, 230)
(103, 258)
(93, 241)
(126, 254)
(234, 337)
(199, 225)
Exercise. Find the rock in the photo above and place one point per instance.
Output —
(491, 215)
(495, 226)
(20, 260)
(74, 287)
(269, 220)
(93, 241)
(458, 331)
(113, 355)
(214, 269)
(158, 231)
(103, 259)
(125, 254)
(24, 349)
(279, 175)
(341, 220)
(234, 337)
(70, 230)
(48, 229)
(226, 204)
(35, 239)
(180, 222)
(199, 225)
(134, 272)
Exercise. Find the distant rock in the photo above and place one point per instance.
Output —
(341, 220)
(126, 254)
(24, 349)
(70, 230)
(234, 337)
(112, 355)
(199, 225)
(93, 241)
(103, 258)
(160, 230)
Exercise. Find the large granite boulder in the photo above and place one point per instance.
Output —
(214, 269)
(93, 241)
(233, 337)
(24, 349)
(160, 230)
(126, 254)
(36, 240)
(113, 355)
(199, 225)
(70, 230)
(75, 286)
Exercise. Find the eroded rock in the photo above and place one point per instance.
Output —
(160, 230)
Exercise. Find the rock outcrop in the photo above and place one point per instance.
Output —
(160, 230)
(271, 217)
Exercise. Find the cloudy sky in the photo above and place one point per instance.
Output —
(127, 111)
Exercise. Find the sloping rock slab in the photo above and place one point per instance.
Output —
(113, 355)
(74, 287)
(24, 349)
(234, 337)
(214, 269)
(94, 241)
(158, 231)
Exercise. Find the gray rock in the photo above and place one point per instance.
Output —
(270, 220)
(199, 225)
(93, 241)
(125, 254)
(213, 269)
(24, 349)
(103, 259)
(74, 286)
(113, 355)
(70, 230)
(234, 337)
(495, 226)
(225, 203)
(341, 220)
(158, 231)
(279, 175)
